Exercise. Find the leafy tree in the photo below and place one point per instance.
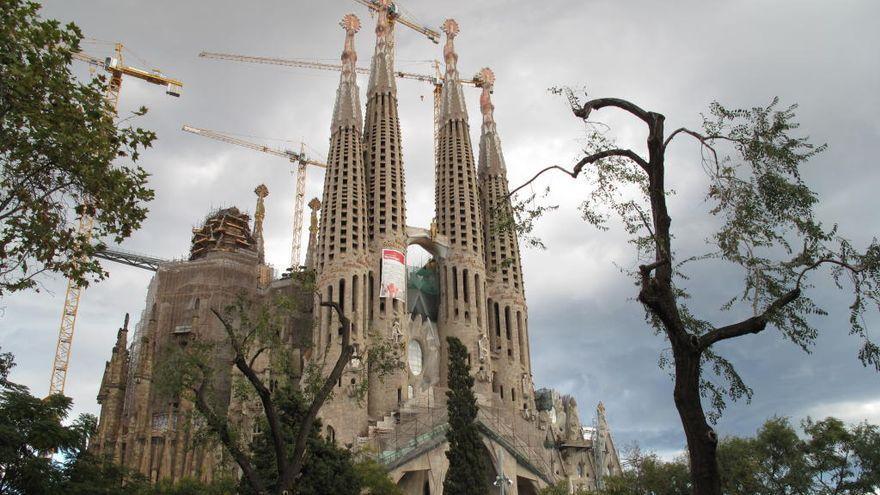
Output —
(188, 486)
(560, 488)
(766, 228)
(253, 329)
(58, 143)
(328, 469)
(843, 460)
(647, 474)
(467, 469)
(831, 459)
(32, 428)
(374, 478)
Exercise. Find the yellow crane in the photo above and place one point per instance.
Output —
(117, 69)
(394, 15)
(302, 162)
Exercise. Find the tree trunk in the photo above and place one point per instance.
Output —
(701, 438)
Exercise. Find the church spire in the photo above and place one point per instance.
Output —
(383, 156)
(458, 217)
(347, 111)
(259, 214)
(452, 106)
(491, 159)
(508, 314)
(315, 206)
(382, 67)
(386, 200)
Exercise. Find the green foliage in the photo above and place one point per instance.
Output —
(31, 428)
(374, 479)
(831, 459)
(467, 469)
(763, 216)
(188, 486)
(841, 459)
(58, 145)
(560, 488)
(647, 474)
(328, 469)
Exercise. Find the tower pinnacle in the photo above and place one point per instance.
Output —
(259, 214)
(382, 78)
(491, 159)
(486, 80)
(452, 105)
(347, 111)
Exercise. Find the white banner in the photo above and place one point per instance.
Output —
(393, 275)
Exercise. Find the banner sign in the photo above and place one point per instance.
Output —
(393, 275)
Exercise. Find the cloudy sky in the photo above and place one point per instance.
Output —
(588, 335)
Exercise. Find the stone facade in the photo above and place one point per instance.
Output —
(472, 289)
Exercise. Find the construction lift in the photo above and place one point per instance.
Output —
(302, 162)
(117, 69)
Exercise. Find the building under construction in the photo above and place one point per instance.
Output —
(472, 289)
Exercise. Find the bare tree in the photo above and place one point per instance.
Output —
(766, 227)
(250, 334)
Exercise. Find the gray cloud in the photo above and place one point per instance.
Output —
(588, 335)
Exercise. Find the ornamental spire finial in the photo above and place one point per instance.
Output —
(382, 65)
(450, 27)
(382, 25)
(351, 24)
(347, 112)
(486, 80)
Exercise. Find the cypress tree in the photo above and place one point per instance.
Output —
(467, 470)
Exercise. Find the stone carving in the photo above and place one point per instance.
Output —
(483, 374)
(396, 333)
(483, 346)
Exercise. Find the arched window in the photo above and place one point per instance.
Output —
(331, 434)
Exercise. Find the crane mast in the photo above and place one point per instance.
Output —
(117, 69)
(302, 162)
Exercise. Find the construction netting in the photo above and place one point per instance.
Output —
(423, 290)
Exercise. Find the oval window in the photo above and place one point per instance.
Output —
(414, 357)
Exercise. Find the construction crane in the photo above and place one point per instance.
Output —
(302, 162)
(435, 80)
(129, 258)
(394, 15)
(117, 69)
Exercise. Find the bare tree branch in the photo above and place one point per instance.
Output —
(221, 428)
(587, 160)
(600, 103)
(758, 323)
(345, 355)
(265, 395)
(256, 355)
(754, 324)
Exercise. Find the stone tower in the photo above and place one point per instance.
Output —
(383, 160)
(315, 207)
(505, 297)
(111, 395)
(458, 217)
(259, 214)
(343, 252)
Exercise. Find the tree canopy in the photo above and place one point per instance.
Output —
(830, 458)
(764, 225)
(467, 469)
(63, 155)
